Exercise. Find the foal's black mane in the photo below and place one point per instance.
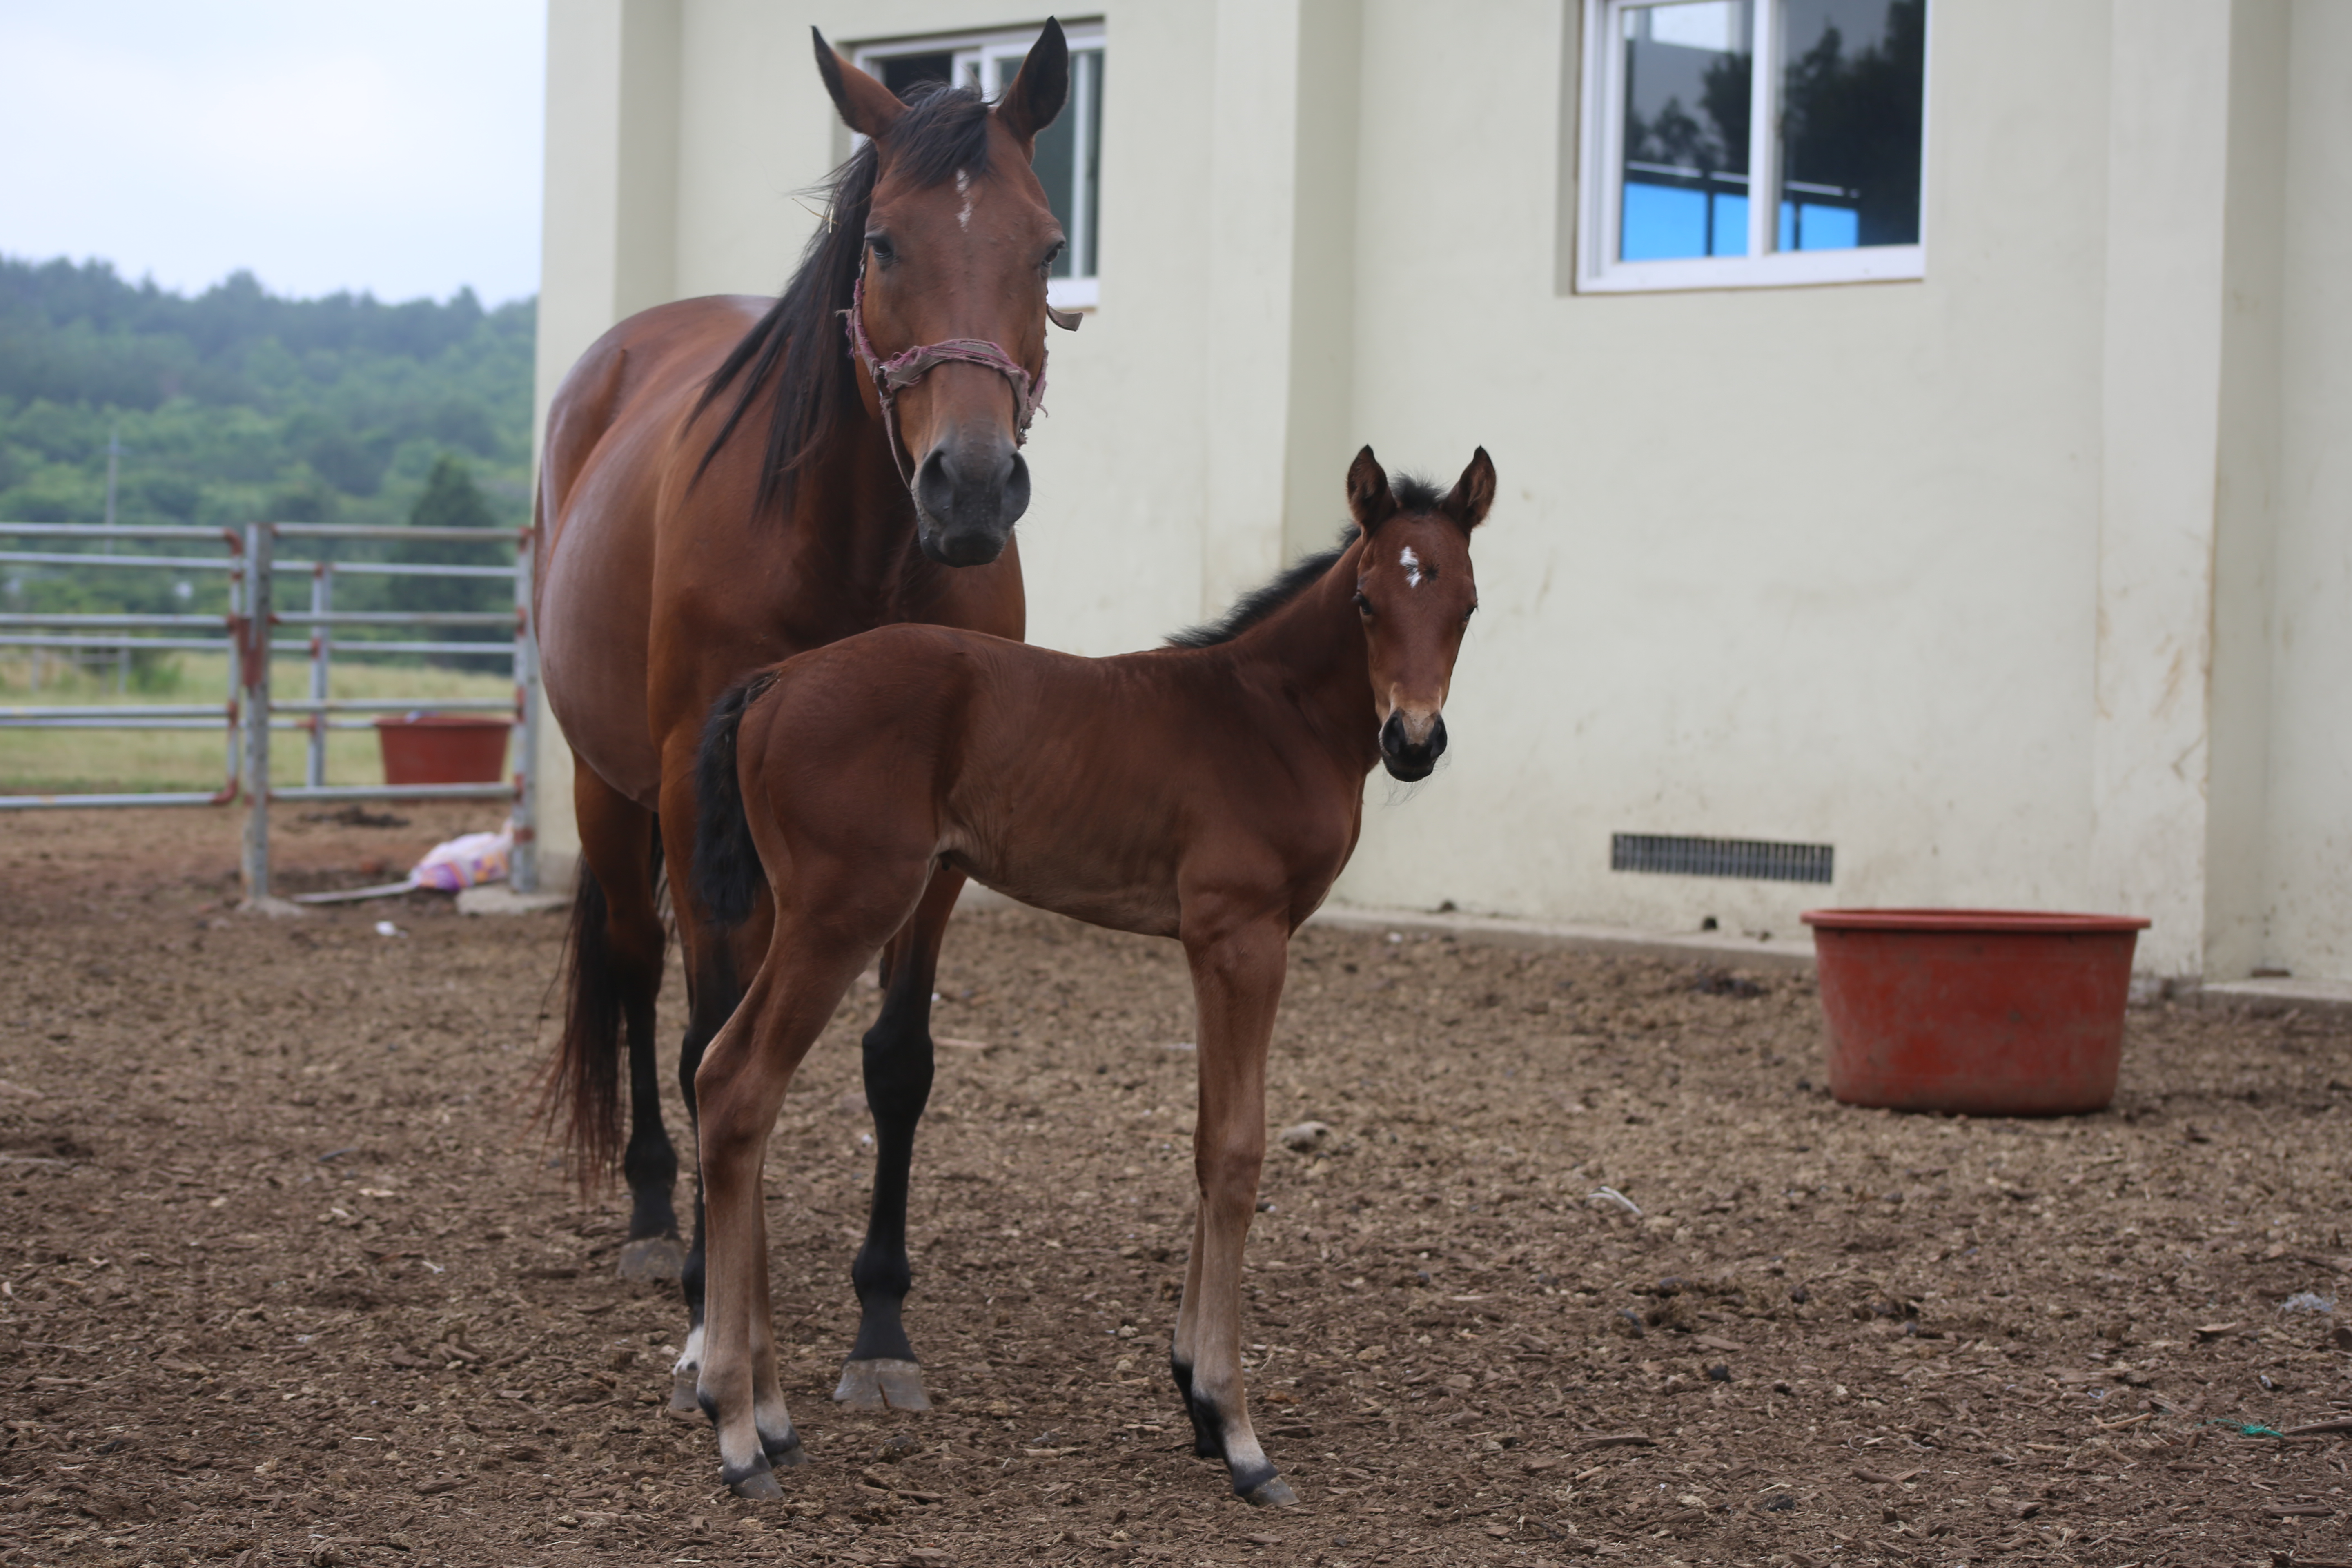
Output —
(800, 347)
(1412, 493)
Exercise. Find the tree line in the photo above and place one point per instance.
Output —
(235, 404)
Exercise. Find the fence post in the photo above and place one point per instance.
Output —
(522, 865)
(254, 657)
(322, 600)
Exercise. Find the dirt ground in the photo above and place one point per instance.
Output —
(286, 1276)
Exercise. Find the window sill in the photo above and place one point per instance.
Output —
(1781, 269)
(1073, 293)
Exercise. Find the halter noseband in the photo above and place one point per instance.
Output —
(901, 370)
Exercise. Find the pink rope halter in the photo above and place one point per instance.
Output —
(899, 371)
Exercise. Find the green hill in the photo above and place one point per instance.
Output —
(237, 405)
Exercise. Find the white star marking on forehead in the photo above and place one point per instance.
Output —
(963, 189)
(1411, 565)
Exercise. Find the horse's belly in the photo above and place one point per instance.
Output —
(593, 623)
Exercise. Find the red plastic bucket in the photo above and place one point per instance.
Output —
(444, 747)
(1989, 1012)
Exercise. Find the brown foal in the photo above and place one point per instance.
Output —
(1210, 792)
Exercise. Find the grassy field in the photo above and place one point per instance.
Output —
(59, 762)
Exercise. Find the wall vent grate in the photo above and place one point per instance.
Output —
(1756, 860)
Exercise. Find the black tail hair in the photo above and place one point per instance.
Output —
(727, 872)
(583, 1082)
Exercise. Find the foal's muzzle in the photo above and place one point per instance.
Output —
(968, 492)
(1407, 759)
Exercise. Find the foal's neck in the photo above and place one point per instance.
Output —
(1314, 646)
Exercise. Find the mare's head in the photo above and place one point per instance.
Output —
(1415, 594)
(958, 239)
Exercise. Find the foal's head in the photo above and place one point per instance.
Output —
(1416, 595)
(959, 241)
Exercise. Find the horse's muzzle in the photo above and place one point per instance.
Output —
(968, 496)
(1407, 759)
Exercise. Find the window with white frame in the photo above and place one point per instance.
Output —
(1691, 108)
(1069, 158)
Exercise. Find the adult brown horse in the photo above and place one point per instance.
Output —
(681, 551)
(1210, 792)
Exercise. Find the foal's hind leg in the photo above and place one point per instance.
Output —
(740, 1089)
(881, 1369)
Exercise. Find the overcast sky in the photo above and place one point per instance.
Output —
(323, 144)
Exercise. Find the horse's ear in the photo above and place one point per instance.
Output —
(1368, 501)
(1473, 494)
(1034, 97)
(866, 106)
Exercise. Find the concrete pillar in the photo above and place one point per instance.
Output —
(609, 245)
(1282, 239)
(2246, 492)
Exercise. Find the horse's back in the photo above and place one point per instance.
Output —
(613, 438)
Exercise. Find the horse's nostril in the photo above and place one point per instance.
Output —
(1392, 734)
(1437, 738)
(935, 487)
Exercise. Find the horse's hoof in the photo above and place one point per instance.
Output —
(786, 1454)
(760, 1485)
(652, 1257)
(1271, 1492)
(881, 1385)
(683, 1398)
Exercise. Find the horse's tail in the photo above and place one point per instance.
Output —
(583, 1082)
(727, 872)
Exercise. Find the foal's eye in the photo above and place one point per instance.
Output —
(1045, 268)
(879, 244)
(1363, 605)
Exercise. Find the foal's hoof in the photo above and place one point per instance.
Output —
(1271, 1492)
(683, 1398)
(652, 1257)
(881, 1385)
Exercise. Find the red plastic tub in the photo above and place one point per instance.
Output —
(444, 747)
(1989, 1012)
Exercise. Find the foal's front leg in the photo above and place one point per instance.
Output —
(881, 1369)
(1237, 984)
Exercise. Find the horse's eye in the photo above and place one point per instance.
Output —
(1045, 268)
(879, 244)
(1363, 605)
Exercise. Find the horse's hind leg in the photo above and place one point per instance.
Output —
(615, 978)
(713, 996)
(881, 1369)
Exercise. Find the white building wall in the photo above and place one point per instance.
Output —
(1935, 572)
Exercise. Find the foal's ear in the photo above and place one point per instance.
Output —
(1034, 97)
(866, 106)
(1473, 494)
(1368, 501)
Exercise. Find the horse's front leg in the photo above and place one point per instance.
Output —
(1237, 984)
(882, 1370)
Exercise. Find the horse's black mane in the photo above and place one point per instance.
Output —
(1413, 494)
(799, 347)
(1260, 603)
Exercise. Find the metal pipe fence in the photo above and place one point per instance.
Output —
(243, 635)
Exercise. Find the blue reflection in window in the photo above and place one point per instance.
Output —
(1809, 226)
(1663, 222)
